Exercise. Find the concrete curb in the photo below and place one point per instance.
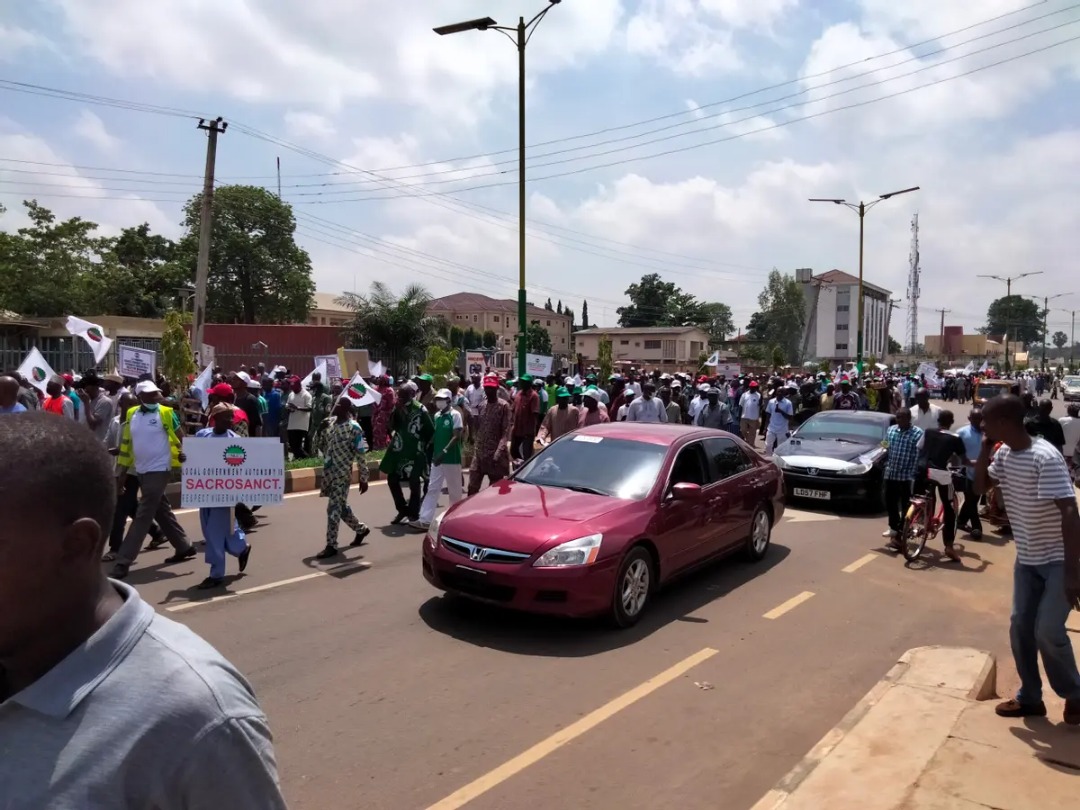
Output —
(954, 674)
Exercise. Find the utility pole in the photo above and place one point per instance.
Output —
(1046, 311)
(1008, 306)
(206, 218)
(279, 178)
(943, 312)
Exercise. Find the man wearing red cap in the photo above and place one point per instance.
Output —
(491, 452)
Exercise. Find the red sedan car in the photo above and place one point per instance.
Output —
(601, 518)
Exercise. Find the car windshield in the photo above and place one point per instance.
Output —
(987, 390)
(838, 428)
(619, 468)
(1072, 382)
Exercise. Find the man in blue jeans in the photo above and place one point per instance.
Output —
(1042, 510)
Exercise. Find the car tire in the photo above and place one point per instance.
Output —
(757, 544)
(634, 585)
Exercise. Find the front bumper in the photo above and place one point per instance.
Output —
(578, 592)
(840, 487)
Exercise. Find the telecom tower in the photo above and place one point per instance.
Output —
(913, 289)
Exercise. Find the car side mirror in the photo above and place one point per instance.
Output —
(685, 491)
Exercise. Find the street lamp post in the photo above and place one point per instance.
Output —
(1008, 306)
(861, 210)
(1046, 299)
(522, 32)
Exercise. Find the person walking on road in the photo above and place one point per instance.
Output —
(104, 702)
(750, 414)
(217, 521)
(902, 443)
(445, 458)
(647, 408)
(406, 460)
(1041, 505)
(491, 453)
(941, 447)
(345, 444)
(780, 411)
(560, 420)
(526, 419)
(298, 405)
(971, 435)
(150, 444)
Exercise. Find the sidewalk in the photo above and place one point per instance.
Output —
(927, 738)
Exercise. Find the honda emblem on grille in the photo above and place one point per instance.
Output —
(812, 470)
(478, 554)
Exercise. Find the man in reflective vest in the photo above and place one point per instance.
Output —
(150, 445)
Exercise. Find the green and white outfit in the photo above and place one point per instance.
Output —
(448, 473)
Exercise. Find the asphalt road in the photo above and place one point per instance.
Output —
(382, 693)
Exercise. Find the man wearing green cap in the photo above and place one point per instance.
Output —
(559, 420)
(526, 419)
(426, 396)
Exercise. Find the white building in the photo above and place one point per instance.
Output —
(832, 306)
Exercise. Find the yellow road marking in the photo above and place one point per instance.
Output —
(259, 588)
(560, 738)
(859, 563)
(790, 604)
(286, 497)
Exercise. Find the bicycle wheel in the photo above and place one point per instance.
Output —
(913, 533)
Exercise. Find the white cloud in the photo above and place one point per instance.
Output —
(14, 40)
(302, 124)
(91, 128)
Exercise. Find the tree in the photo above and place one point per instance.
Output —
(489, 340)
(138, 275)
(258, 274)
(717, 320)
(781, 316)
(894, 346)
(177, 359)
(569, 313)
(548, 306)
(439, 361)
(1060, 339)
(603, 357)
(395, 329)
(558, 308)
(537, 340)
(1019, 317)
(585, 315)
(777, 357)
(648, 301)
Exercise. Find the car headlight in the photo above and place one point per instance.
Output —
(433, 530)
(855, 469)
(864, 463)
(582, 551)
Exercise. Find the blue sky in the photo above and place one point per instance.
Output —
(368, 85)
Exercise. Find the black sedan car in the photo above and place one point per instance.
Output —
(836, 456)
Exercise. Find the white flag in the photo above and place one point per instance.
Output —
(714, 359)
(36, 371)
(202, 383)
(359, 393)
(970, 367)
(984, 367)
(319, 369)
(376, 369)
(93, 334)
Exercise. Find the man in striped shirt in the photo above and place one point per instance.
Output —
(1042, 510)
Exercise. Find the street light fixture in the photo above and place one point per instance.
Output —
(523, 32)
(1072, 339)
(861, 208)
(1046, 299)
(1008, 309)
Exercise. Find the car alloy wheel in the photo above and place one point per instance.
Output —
(760, 534)
(633, 586)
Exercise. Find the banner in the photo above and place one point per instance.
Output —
(538, 365)
(714, 359)
(333, 367)
(320, 368)
(984, 367)
(36, 371)
(359, 393)
(225, 472)
(475, 363)
(93, 334)
(377, 369)
(132, 362)
(353, 362)
(728, 370)
(203, 382)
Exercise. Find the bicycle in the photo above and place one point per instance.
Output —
(922, 521)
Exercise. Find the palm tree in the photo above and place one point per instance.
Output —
(395, 329)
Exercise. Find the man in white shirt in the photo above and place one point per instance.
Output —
(925, 414)
(698, 402)
(750, 407)
(780, 410)
(1070, 426)
(647, 408)
(298, 406)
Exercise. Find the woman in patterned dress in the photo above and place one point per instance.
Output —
(384, 410)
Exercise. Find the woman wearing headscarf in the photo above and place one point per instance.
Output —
(384, 410)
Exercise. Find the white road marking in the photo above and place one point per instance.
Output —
(790, 604)
(287, 497)
(859, 563)
(560, 738)
(267, 587)
(799, 516)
